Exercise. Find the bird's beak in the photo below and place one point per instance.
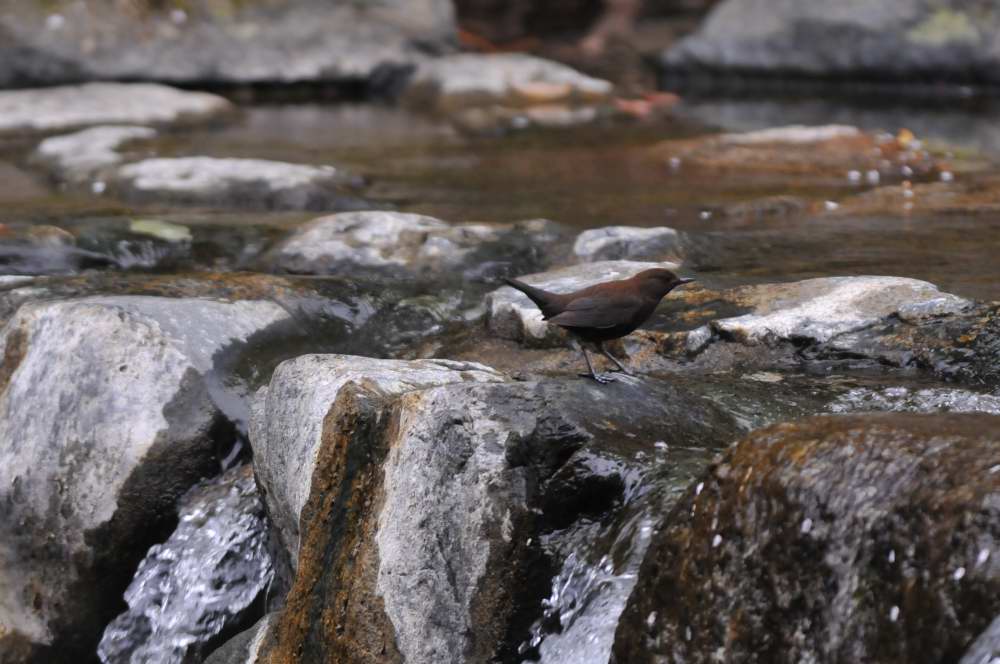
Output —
(685, 280)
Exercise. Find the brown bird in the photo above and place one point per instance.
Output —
(604, 311)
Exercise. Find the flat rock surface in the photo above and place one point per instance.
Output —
(76, 157)
(864, 538)
(50, 110)
(808, 153)
(238, 183)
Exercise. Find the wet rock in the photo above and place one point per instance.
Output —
(817, 310)
(401, 244)
(613, 243)
(863, 538)
(199, 583)
(47, 110)
(237, 183)
(986, 648)
(926, 400)
(106, 418)
(207, 41)
(287, 425)
(455, 82)
(401, 485)
(511, 315)
(820, 152)
(77, 157)
(910, 40)
(244, 647)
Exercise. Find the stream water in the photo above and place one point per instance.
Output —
(586, 177)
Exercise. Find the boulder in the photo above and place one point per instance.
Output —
(511, 315)
(106, 418)
(841, 538)
(219, 42)
(202, 582)
(237, 183)
(946, 42)
(51, 110)
(420, 499)
(287, 425)
(399, 244)
(78, 156)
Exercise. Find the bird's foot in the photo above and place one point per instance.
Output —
(603, 379)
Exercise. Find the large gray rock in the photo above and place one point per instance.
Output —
(945, 41)
(401, 244)
(420, 535)
(209, 41)
(106, 418)
(863, 538)
(49, 110)
(241, 183)
(511, 315)
(78, 156)
(288, 420)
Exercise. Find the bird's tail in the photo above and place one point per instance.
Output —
(541, 298)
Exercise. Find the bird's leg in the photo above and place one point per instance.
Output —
(600, 378)
(614, 359)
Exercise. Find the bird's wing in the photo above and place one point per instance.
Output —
(598, 311)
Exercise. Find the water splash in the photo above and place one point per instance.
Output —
(928, 400)
(580, 617)
(200, 581)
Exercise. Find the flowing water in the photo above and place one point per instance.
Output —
(213, 569)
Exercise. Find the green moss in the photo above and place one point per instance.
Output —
(944, 26)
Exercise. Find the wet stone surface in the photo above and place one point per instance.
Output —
(811, 540)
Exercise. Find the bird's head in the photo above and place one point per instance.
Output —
(659, 281)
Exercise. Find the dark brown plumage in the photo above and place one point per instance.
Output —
(604, 311)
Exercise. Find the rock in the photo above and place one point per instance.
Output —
(848, 538)
(422, 506)
(237, 183)
(400, 244)
(613, 243)
(947, 42)
(106, 418)
(220, 42)
(817, 310)
(49, 110)
(819, 152)
(986, 648)
(199, 583)
(244, 647)
(78, 156)
(455, 82)
(969, 196)
(511, 315)
(287, 425)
